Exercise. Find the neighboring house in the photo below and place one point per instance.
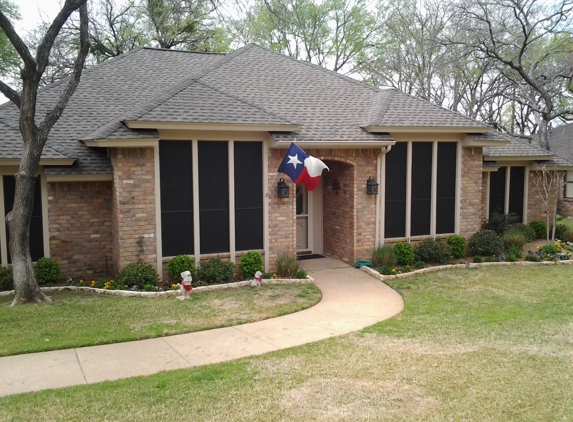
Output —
(561, 143)
(163, 152)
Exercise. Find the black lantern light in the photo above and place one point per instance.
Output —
(282, 189)
(371, 186)
(336, 186)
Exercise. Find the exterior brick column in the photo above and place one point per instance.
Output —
(133, 202)
(472, 205)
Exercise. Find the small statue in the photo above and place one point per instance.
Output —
(185, 289)
(257, 280)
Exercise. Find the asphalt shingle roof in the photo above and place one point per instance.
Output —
(561, 140)
(517, 148)
(250, 86)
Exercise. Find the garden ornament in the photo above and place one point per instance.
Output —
(185, 289)
(257, 280)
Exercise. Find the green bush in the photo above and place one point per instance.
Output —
(478, 259)
(216, 271)
(458, 245)
(560, 231)
(532, 257)
(511, 257)
(251, 262)
(485, 242)
(300, 274)
(540, 228)
(433, 250)
(514, 238)
(178, 264)
(526, 230)
(404, 253)
(6, 279)
(515, 251)
(137, 273)
(419, 265)
(47, 271)
(385, 270)
(383, 256)
(499, 223)
(287, 266)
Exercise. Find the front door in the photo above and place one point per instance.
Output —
(302, 219)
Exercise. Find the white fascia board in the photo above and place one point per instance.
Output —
(427, 129)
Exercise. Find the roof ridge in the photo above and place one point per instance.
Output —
(139, 111)
(258, 107)
(316, 66)
(182, 51)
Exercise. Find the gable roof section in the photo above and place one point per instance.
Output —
(395, 111)
(519, 149)
(561, 140)
(105, 92)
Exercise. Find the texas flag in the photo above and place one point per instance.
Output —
(302, 168)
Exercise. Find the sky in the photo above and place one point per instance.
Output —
(32, 12)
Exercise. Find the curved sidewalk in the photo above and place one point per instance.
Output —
(351, 300)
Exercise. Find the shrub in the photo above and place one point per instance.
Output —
(558, 217)
(540, 228)
(560, 231)
(47, 271)
(549, 249)
(433, 250)
(251, 262)
(383, 255)
(178, 264)
(568, 237)
(419, 265)
(6, 279)
(137, 273)
(526, 230)
(216, 271)
(511, 257)
(485, 242)
(478, 259)
(458, 245)
(532, 257)
(287, 266)
(514, 239)
(515, 251)
(404, 253)
(385, 270)
(499, 223)
(300, 274)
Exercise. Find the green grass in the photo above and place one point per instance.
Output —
(492, 344)
(76, 319)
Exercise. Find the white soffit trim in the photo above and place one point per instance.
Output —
(128, 143)
(79, 177)
(518, 158)
(331, 144)
(137, 124)
(427, 129)
(470, 143)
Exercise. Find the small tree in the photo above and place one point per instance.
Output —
(549, 181)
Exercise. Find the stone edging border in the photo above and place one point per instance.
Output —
(382, 277)
(174, 293)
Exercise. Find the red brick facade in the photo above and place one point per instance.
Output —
(133, 206)
(79, 215)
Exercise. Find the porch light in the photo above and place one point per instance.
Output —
(336, 186)
(371, 186)
(282, 189)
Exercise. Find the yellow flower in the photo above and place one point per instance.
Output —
(393, 270)
(81, 282)
(399, 272)
(538, 247)
(93, 283)
(275, 276)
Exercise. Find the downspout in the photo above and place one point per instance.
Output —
(379, 237)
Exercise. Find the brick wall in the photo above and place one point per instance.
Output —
(472, 204)
(282, 213)
(133, 205)
(80, 230)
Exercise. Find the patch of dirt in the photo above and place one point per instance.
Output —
(344, 399)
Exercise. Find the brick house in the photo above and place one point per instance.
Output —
(162, 152)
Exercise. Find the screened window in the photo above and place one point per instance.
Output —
(502, 201)
(215, 159)
(431, 211)
(569, 184)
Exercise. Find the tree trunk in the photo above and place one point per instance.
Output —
(18, 220)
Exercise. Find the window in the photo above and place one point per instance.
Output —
(507, 191)
(224, 203)
(569, 184)
(420, 189)
(36, 224)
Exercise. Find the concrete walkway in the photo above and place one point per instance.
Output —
(351, 300)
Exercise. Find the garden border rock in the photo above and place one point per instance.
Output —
(382, 277)
(173, 293)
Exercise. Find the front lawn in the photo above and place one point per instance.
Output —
(490, 344)
(77, 318)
